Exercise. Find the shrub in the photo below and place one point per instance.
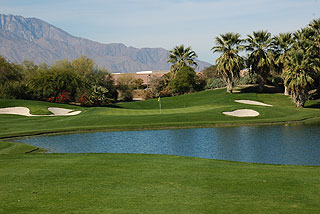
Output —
(97, 96)
(148, 94)
(249, 79)
(215, 83)
(275, 79)
(54, 82)
(184, 80)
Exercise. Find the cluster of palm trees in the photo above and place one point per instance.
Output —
(296, 56)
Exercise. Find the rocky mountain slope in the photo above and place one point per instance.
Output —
(33, 39)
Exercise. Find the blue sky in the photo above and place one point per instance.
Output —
(164, 23)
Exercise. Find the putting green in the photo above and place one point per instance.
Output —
(193, 109)
(202, 109)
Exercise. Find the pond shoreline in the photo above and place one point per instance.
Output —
(278, 144)
(306, 121)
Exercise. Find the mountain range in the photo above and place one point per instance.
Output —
(36, 40)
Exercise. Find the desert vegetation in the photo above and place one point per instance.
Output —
(287, 60)
(64, 82)
(290, 59)
(140, 183)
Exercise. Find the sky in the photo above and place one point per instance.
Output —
(164, 23)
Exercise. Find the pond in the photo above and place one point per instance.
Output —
(296, 145)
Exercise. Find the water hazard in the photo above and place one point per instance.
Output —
(297, 145)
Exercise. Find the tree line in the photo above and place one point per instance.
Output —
(291, 59)
(65, 81)
(293, 56)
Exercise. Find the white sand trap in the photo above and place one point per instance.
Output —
(242, 113)
(24, 111)
(63, 111)
(251, 102)
(16, 110)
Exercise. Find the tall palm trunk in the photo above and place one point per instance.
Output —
(299, 97)
(260, 86)
(286, 90)
(229, 86)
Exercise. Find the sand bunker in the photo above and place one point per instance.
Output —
(24, 111)
(251, 102)
(242, 113)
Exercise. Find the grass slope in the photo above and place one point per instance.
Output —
(201, 109)
(136, 183)
(129, 183)
(16, 148)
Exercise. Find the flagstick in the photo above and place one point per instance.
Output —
(160, 106)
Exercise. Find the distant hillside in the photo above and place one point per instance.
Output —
(33, 39)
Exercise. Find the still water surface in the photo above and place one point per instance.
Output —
(298, 145)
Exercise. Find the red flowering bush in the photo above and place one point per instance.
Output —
(85, 99)
(63, 97)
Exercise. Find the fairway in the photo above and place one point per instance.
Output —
(130, 183)
(136, 183)
(202, 109)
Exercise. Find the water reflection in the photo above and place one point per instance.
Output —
(272, 144)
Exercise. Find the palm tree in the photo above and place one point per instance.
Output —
(281, 44)
(260, 59)
(230, 62)
(306, 39)
(299, 68)
(315, 27)
(180, 56)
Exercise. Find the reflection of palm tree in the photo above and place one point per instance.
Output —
(229, 63)
(260, 59)
(180, 57)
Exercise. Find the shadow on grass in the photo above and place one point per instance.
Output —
(112, 106)
(266, 89)
(108, 105)
(315, 105)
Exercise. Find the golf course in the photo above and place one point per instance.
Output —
(201, 109)
(32, 181)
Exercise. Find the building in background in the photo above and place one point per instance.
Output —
(144, 75)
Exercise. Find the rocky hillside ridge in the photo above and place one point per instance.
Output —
(33, 39)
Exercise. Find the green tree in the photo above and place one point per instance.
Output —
(52, 82)
(83, 65)
(298, 75)
(184, 81)
(10, 77)
(210, 72)
(138, 83)
(315, 48)
(230, 62)
(315, 27)
(161, 85)
(126, 85)
(180, 56)
(260, 58)
(281, 44)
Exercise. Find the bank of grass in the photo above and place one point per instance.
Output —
(17, 148)
(202, 109)
(136, 183)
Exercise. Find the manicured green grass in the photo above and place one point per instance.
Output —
(17, 148)
(135, 183)
(203, 109)
(131, 183)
